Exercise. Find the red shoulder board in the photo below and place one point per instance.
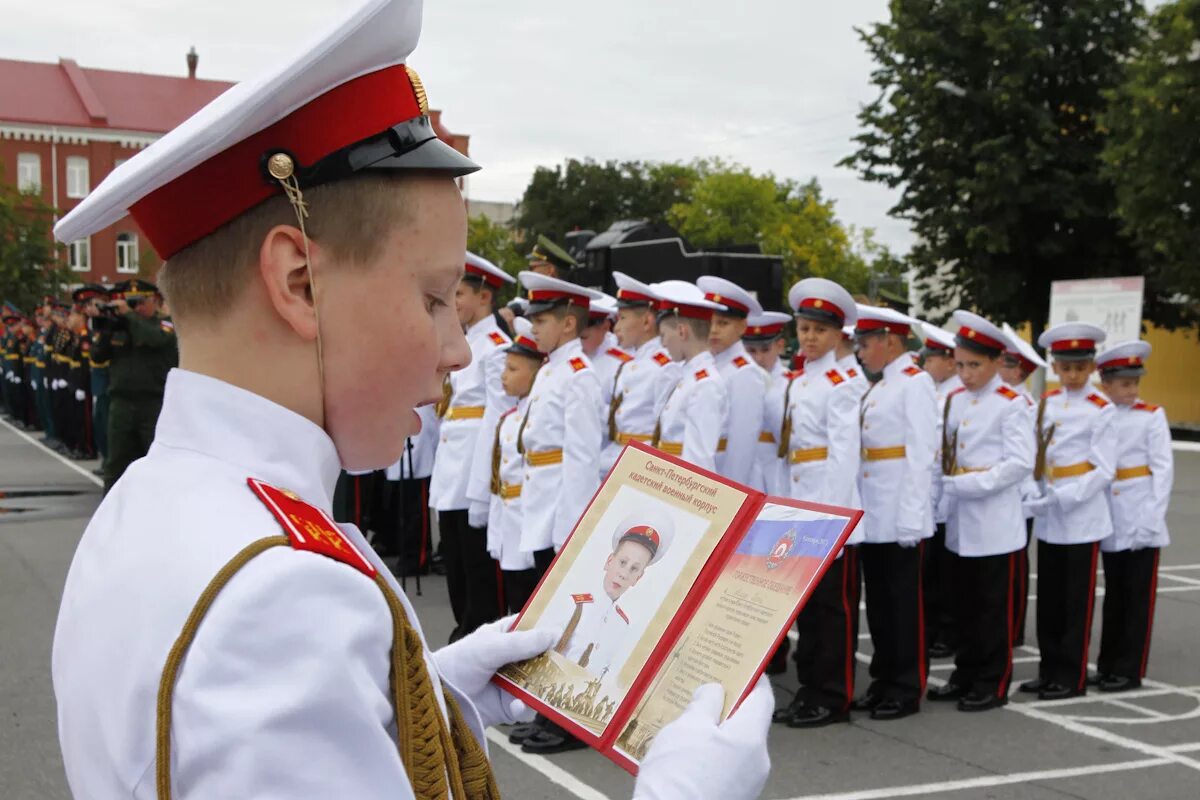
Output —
(497, 338)
(1006, 393)
(662, 359)
(621, 613)
(956, 391)
(1051, 393)
(578, 363)
(1097, 400)
(852, 372)
(309, 528)
(581, 598)
(701, 374)
(619, 355)
(914, 370)
(738, 362)
(835, 377)
(1140, 406)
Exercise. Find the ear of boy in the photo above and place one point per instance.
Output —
(287, 279)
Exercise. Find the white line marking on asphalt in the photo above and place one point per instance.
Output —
(1181, 578)
(66, 461)
(1134, 707)
(1174, 567)
(1189, 447)
(551, 772)
(949, 665)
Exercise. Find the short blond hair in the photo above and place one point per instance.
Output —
(349, 218)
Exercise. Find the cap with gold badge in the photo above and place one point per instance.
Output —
(1072, 341)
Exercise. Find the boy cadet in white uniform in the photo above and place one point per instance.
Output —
(847, 360)
(987, 455)
(692, 417)
(1138, 499)
(600, 345)
(745, 381)
(765, 343)
(899, 430)
(821, 441)
(281, 381)
(472, 400)
(1020, 361)
(1078, 449)
(642, 384)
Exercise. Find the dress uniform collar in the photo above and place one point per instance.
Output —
(483, 327)
(274, 444)
(572, 349)
(699, 361)
(897, 365)
(826, 362)
(995, 383)
(730, 353)
(649, 348)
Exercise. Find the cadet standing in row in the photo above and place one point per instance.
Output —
(764, 341)
(600, 345)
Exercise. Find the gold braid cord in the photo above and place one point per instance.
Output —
(785, 430)
(495, 485)
(949, 442)
(1044, 435)
(443, 405)
(439, 759)
(615, 404)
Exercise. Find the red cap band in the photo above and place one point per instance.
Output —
(644, 532)
(765, 330)
(488, 278)
(635, 297)
(713, 297)
(981, 338)
(550, 295)
(1072, 344)
(682, 310)
(866, 325)
(933, 344)
(822, 305)
(1118, 363)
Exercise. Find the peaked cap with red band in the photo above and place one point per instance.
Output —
(1124, 360)
(632, 293)
(978, 334)
(523, 343)
(602, 308)
(1072, 341)
(479, 268)
(822, 300)
(766, 327)
(936, 340)
(878, 319)
(345, 105)
(651, 529)
(1021, 350)
(683, 299)
(737, 301)
(545, 292)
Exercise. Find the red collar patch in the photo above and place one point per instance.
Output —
(309, 528)
(911, 371)
(701, 374)
(619, 355)
(852, 372)
(578, 364)
(740, 362)
(1097, 400)
(1140, 406)
(1051, 393)
(835, 377)
(956, 391)
(497, 338)
(1006, 393)
(580, 599)
(621, 613)
(662, 359)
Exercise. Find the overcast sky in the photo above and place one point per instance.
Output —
(772, 84)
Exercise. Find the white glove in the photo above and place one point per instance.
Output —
(470, 663)
(907, 539)
(1038, 506)
(947, 496)
(477, 515)
(79, 395)
(696, 758)
(17, 379)
(1143, 538)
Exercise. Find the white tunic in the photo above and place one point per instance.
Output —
(563, 416)
(1078, 513)
(695, 412)
(898, 411)
(773, 468)
(602, 628)
(823, 406)
(643, 385)
(424, 449)
(285, 692)
(1139, 503)
(504, 518)
(477, 386)
(746, 384)
(943, 391)
(995, 449)
(607, 360)
(853, 370)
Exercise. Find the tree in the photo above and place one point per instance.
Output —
(495, 242)
(986, 123)
(1153, 153)
(29, 265)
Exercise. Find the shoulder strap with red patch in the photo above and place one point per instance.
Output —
(1051, 393)
(498, 338)
(661, 358)
(581, 598)
(852, 372)
(1097, 400)
(701, 374)
(910, 371)
(578, 364)
(740, 362)
(835, 377)
(957, 391)
(1006, 393)
(619, 355)
(1140, 406)
(309, 528)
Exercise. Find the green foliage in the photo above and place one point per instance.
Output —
(29, 265)
(1003, 185)
(1153, 150)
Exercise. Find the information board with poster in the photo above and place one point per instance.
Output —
(1115, 304)
(726, 569)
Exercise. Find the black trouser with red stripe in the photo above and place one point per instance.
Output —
(896, 617)
(401, 522)
(984, 587)
(1066, 599)
(828, 636)
(472, 575)
(1020, 597)
(1130, 589)
(937, 581)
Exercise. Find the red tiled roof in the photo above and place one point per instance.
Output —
(66, 94)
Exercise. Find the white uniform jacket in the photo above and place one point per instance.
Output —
(746, 385)
(853, 370)
(1139, 500)
(418, 462)
(943, 391)
(690, 425)
(285, 691)
(823, 449)
(899, 429)
(773, 468)
(561, 442)
(607, 360)
(504, 517)
(1029, 487)
(994, 449)
(642, 386)
(474, 389)
(1078, 510)
(597, 633)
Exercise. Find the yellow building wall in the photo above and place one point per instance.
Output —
(1172, 378)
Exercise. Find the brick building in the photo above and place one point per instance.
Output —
(63, 128)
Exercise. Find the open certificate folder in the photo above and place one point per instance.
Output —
(674, 577)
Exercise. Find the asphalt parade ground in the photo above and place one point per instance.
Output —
(1140, 744)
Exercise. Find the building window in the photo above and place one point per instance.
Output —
(79, 255)
(77, 177)
(29, 172)
(127, 252)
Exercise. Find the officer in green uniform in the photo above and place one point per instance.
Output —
(92, 297)
(13, 349)
(139, 344)
(43, 357)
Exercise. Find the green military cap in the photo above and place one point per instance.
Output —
(88, 291)
(134, 288)
(547, 251)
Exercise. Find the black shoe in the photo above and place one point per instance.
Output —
(977, 701)
(816, 717)
(1056, 691)
(1118, 683)
(784, 714)
(868, 702)
(1096, 678)
(521, 733)
(940, 650)
(895, 709)
(437, 566)
(1034, 686)
(546, 742)
(944, 694)
(778, 663)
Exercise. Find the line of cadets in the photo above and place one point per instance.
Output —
(955, 465)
